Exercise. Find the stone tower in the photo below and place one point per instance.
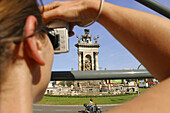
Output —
(87, 52)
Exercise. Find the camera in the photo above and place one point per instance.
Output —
(59, 36)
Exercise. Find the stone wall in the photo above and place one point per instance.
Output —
(92, 90)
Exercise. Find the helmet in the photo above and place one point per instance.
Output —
(91, 99)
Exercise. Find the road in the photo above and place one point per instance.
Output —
(64, 108)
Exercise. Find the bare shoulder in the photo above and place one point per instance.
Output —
(154, 100)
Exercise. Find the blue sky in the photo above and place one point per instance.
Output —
(112, 55)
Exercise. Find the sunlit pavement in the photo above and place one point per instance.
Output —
(65, 108)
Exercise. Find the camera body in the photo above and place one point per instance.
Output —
(60, 32)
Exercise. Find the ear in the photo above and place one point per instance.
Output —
(34, 46)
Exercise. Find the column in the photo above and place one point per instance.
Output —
(92, 60)
(79, 61)
(83, 61)
(97, 64)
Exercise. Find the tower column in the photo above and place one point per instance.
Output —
(79, 62)
(97, 64)
(83, 61)
(92, 59)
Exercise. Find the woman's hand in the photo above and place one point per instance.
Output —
(77, 12)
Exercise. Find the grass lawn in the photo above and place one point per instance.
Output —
(73, 100)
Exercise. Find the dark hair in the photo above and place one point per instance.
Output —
(13, 14)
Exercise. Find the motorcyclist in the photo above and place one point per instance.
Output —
(91, 105)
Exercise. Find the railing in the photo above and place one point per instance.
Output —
(156, 7)
(99, 75)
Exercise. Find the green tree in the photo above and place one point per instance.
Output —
(61, 83)
(69, 83)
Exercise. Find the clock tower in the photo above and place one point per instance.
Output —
(87, 52)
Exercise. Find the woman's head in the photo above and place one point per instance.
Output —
(22, 18)
(12, 21)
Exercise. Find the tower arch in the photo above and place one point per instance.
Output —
(88, 62)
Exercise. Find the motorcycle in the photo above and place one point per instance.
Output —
(89, 109)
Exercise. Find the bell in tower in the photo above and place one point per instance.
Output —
(87, 52)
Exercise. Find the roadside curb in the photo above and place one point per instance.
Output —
(75, 105)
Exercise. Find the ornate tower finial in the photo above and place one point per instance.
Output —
(78, 39)
(86, 38)
(96, 38)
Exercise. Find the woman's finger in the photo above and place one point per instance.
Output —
(50, 6)
(54, 5)
(71, 27)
